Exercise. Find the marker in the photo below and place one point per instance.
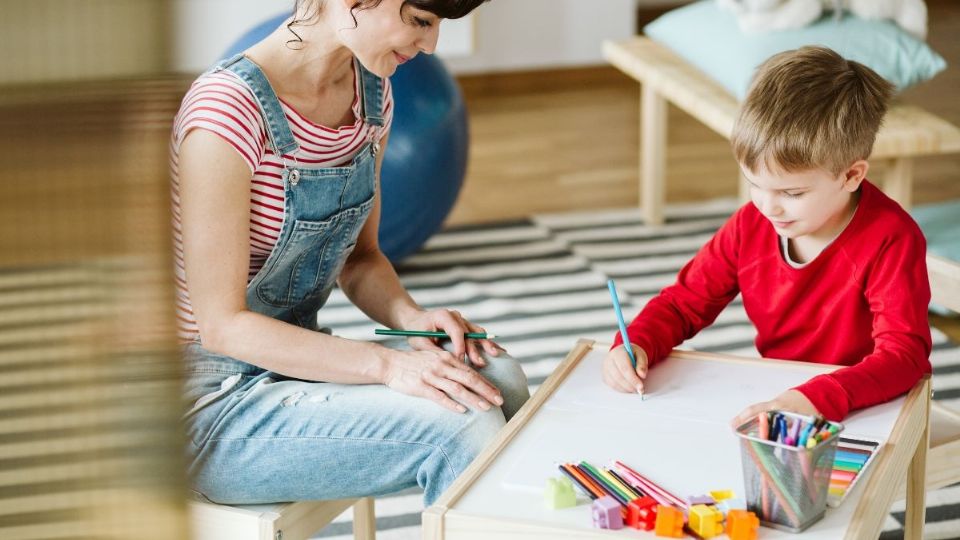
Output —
(623, 327)
(429, 334)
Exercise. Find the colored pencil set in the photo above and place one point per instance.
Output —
(620, 482)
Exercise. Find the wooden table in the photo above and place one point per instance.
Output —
(908, 131)
(690, 397)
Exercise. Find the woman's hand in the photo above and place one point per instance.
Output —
(453, 323)
(790, 401)
(440, 377)
(618, 371)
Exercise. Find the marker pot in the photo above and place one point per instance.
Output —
(786, 486)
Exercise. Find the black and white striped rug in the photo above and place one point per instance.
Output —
(540, 283)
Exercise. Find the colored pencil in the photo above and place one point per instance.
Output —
(430, 334)
(644, 482)
(597, 492)
(602, 484)
(576, 481)
(633, 491)
(623, 326)
(610, 482)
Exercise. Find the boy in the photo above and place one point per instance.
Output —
(831, 270)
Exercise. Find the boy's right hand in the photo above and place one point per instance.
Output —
(618, 372)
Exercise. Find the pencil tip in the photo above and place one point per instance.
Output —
(491, 336)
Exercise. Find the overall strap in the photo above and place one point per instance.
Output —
(371, 96)
(278, 129)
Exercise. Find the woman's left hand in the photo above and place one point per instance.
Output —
(790, 401)
(455, 326)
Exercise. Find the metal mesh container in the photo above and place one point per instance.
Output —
(785, 485)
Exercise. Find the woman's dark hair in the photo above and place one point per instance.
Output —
(445, 9)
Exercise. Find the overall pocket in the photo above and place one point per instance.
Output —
(296, 272)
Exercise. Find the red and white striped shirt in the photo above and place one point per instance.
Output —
(223, 104)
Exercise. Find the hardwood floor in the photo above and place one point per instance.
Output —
(559, 141)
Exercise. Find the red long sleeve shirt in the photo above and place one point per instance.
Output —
(862, 303)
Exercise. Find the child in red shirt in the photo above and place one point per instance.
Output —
(831, 270)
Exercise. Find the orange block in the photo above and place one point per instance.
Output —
(669, 522)
(742, 525)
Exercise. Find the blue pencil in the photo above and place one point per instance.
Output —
(622, 324)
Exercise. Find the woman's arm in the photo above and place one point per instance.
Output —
(215, 214)
(370, 282)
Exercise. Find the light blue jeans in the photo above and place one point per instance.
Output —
(258, 437)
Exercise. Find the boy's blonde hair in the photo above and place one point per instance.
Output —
(810, 109)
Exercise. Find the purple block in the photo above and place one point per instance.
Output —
(700, 499)
(606, 513)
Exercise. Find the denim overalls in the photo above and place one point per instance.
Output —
(257, 436)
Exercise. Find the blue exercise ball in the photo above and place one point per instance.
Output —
(425, 163)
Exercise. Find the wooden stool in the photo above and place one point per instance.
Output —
(907, 131)
(283, 521)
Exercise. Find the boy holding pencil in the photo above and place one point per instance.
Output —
(831, 270)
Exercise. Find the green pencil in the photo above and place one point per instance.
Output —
(425, 333)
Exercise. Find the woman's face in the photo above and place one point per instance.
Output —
(387, 35)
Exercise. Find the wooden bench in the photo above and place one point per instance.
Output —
(282, 521)
(908, 131)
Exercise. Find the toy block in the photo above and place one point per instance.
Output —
(606, 513)
(706, 520)
(700, 499)
(722, 495)
(669, 522)
(727, 505)
(642, 513)
(742, 525)
(559, 494)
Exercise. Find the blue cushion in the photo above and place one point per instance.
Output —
(708, 37)
(940, 223)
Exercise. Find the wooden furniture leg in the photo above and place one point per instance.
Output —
(898, 181)
(653, 154)
(917, 485)
(364, 520)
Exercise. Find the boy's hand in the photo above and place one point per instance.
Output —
(618, 373)
(791, 401)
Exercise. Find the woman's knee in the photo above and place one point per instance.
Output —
(505, 373)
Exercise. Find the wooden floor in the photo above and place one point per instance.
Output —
(561, 141)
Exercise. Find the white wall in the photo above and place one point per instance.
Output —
(502, 35)
(531, 34)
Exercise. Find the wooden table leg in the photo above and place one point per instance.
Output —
(898, 181)
(653, 154)
(917, 485)
(364, 520)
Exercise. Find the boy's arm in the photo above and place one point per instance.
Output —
(704, 286)
(898, 293)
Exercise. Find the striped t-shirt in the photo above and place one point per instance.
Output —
(223, 104)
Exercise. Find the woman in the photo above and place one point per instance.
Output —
(275, 162)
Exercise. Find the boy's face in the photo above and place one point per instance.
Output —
(814, 203)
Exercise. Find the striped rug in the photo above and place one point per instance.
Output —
(541, 284)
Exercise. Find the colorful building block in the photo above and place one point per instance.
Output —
(727, 505)
(642, 513)
(706, 520)
(559, 493)
(669, 522)
(606, 513)
(722, 495)
(700, 499)
(742, 525)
